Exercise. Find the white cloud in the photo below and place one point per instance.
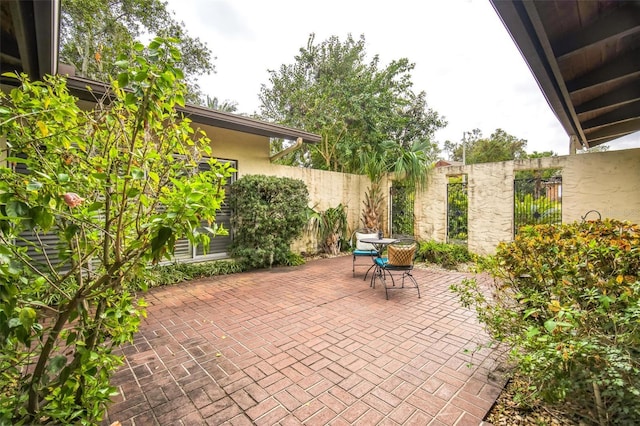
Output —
(465, 60)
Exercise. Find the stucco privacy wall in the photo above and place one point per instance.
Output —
(608, 182)
(326, 189)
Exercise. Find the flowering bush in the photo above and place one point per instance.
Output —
(566, 299)
(87, 200)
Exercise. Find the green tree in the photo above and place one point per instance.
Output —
(500, 146)
(115, 187)
(368, 116)
(95, 32)
(354, 105)
(408, 165)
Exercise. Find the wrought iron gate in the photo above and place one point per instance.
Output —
(402, 201)
(457, 212)
(537, 201)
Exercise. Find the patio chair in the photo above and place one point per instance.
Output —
(398, 265)
(363, 250)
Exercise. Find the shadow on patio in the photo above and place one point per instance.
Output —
(305, 345)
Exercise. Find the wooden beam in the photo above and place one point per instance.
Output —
(615, 131)
(626, 65)
(621, 22)
(625, 94)
(619, 115)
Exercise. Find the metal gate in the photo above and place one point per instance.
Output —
(402, 201)
(537, 200)
(457, 212)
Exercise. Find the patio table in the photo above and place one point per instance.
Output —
(379, 244)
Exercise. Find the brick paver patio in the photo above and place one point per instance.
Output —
(305, 345)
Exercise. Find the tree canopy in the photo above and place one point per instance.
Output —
(356, 106)
(370, 119)
(475, 148)
(95, 32)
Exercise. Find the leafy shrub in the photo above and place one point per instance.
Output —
(567, 300)
(447, 255)
(174, 273)
(329, 226)
(269, 212)
(87, 200)
(294, 259)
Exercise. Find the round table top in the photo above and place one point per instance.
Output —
(379, 240)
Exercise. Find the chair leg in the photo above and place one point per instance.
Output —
(393, 281)
(367, 273)
(411, 277)
(353, 269)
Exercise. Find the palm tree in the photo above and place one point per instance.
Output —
(226, 106)
(409, 164)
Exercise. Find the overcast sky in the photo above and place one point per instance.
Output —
(466, 62)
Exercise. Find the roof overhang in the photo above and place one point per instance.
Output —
(585, 56)
(29, 44)
(90, 90)
(29, 37)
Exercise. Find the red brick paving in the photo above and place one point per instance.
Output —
(305, 345)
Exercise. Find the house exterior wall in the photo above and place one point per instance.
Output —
(251, 151)
(326, 189)
(608, 182)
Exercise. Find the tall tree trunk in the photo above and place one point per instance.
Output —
(372, 211)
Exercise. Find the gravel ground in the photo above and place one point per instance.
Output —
(507, 412)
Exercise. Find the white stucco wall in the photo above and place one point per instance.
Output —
(608, 182)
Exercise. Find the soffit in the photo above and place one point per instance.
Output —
(28, 37)
(91, 90)
(585, 56)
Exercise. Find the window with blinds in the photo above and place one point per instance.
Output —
(44, 247)
(185, 251)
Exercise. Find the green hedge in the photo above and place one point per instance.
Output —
(175, 273)
(446, 255)
(268, 214)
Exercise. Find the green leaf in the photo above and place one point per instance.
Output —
(154, 176)
(137, 174)
(99, 175)
(161, 239)
(70, 231)
(17, 209)
(71, 338)
(550, 325)
(141, 76)
(42, 217)
(130, 99)
(27, 317)
(57, 363)
(123, 80)
(63, 178)
(34, 186)
(532, 332)
(95, 206)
